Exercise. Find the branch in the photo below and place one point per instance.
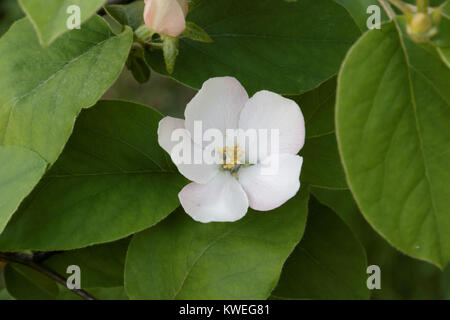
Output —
(31, 262)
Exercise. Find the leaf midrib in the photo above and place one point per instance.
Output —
(202, 253)
(409, 67)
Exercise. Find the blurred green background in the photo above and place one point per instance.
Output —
(164, 94)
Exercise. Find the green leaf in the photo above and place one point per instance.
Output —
(139, 69)
(4, 295)
(446, 283)
(49, 17)
(196, 33)
(20, 171)
(446, 8)
(102, 266)
(329, 262)
(393, 109)
(170, 50)
(358, 10)
(101, 270)
(286, 47)
(137, 65)
(442, 38)
(42, 90)
(24, 283)
(113, 293)
(318, 109)
(343, 204)
(10, 12)
(183, 259)
(128, 15)
(445, 55)
(418, 279)
(112, 180)
(432, 3)
(322, 166)
(40, 87)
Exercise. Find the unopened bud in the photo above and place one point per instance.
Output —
(421, 27)
(144, 33)
(421, 23)
(166, 17)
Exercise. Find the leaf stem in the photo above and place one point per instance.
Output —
(387, 7)
(156, 45)
(33, 262)
(422, 6)
(400, 5)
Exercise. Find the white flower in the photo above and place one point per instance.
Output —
(223, 192)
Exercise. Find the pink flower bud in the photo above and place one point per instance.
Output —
(166, 17)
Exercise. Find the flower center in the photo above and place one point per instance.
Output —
(232, 158)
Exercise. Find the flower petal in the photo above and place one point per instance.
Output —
(200, 173)
(268, 110)
(165, 128)
(220, 200)
(166, 17)
(217, 105)
(184, 6)
(269, 190)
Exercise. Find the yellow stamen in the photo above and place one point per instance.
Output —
(232, 156)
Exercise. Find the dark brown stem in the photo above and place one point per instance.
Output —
(31, 262)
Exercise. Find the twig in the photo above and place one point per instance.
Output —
(30, 261)
(40, 256)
